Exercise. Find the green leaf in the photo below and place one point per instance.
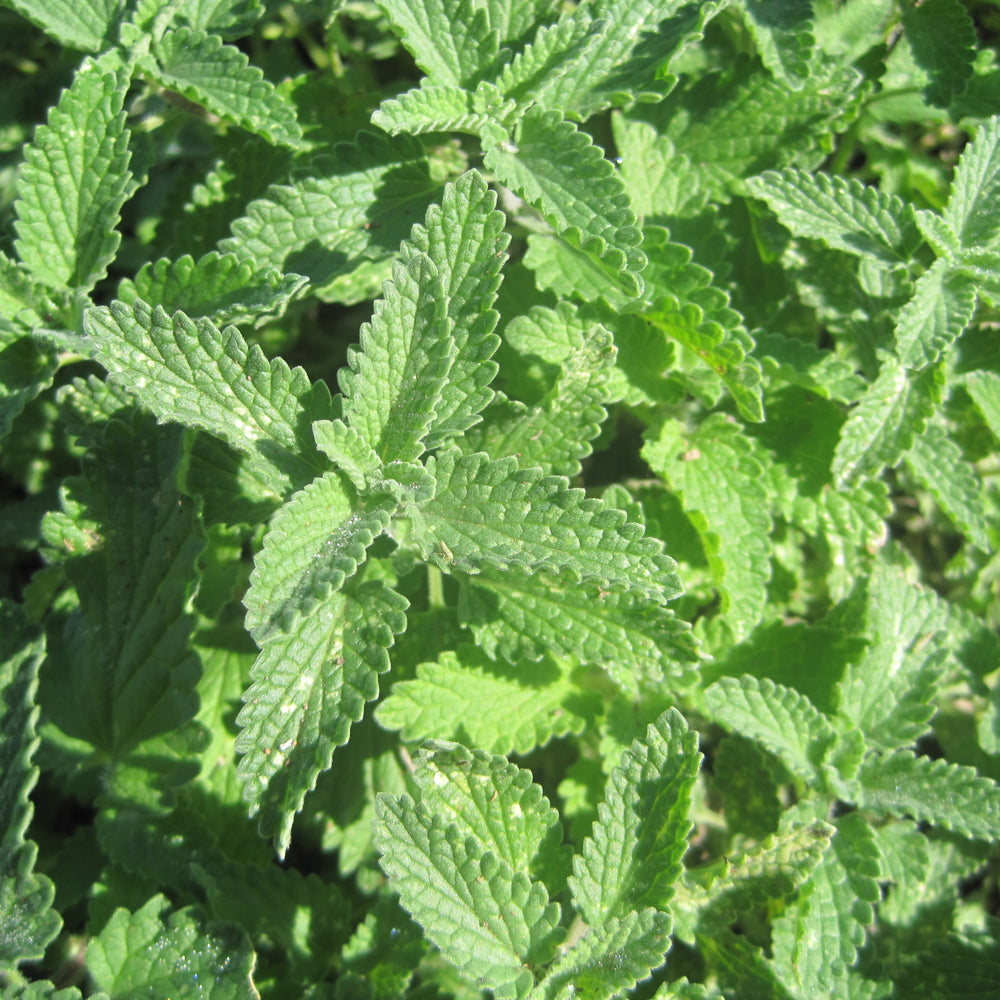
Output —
(633, 856)
(74, 181)
(179, 955)
(948, 795)
(25, 371)
(844, 214)
(309, 686)
(228, 18)
(357, 204)
(688, 308)
(219, 286)
(195, 374)
(452, 41)
(493, 515)
(124, 671)
(27, 921)
(634, 640)
(218, 76)
(487, 919)
(609, 959)
(616, 52)
(943, 40)
(720, 485)
(884, 424)
(984, 388)
(816, 940)
(557, 431)
(960, 965)
(972, 208)
(783, 720)
(558, 169)
(938, 462)
(495, 802)
(423, 369)
(942, 306)
(784, 37)
(435, 108)
(530, 704)
(88, 25)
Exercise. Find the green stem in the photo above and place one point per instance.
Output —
(435, 587)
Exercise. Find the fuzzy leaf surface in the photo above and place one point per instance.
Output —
(87, 25)
(633, 856)
(309, 685)
(784, 37)
(423, 369)
(195, 374)
(942, 306)
(27, 921)
(937, 461)
(885, 422)
(952, 796)
(359, 203)
(493, 514)
(557, 168)
(784, 720)
(516, 616)
(219, 76)
(170, 955)
(972, 210)
(530, 703)
(487, 919)
(74, 181)
(434, 108)
(719, 482)
(219, 286)
(845, 215)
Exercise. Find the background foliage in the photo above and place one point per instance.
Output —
(499, 495)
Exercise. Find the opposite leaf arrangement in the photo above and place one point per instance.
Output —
(761, 327)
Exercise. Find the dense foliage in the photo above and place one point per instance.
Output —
(500, 495)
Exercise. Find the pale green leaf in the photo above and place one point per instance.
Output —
(689, 309)
(313, 545)
(74, 181)
(815, 941)
(783, 35)
(609, 959)
(952, 796)
(493, 514)
(530, 703)
(796, 362)
(982, 268)
(557, 168)
(339, 210)
(495, 802)
(984, 388)
(309, 686)
(179, 955)
(627, 47)
(27, 921)
(844, 214)
(942, 38)
(127, 671)
(195, 374)
(884, 424)
(219, 286)
(632, 857)
(739, 122)
(854, 526)
(721, 487)
(435, 108)
(24, 300)
(943, 303)
(43, 990)
(937, 461)
(228, 18)
(972, 208)
(557, 431)
(488, 920)
(463, 238)
(88, 25)
(783, 720)
(634, 640)
(26, 369)
(452, 41)
(219, 76)
(348, 450)
(942, 239)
